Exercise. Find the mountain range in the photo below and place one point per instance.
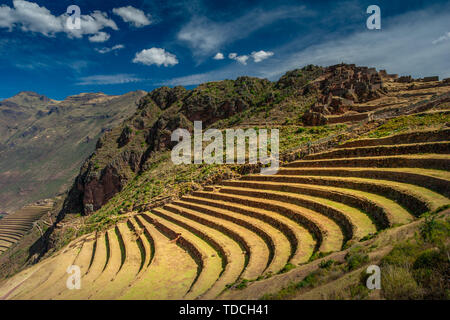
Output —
(44, 141)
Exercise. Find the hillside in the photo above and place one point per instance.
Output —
(43, 141)
(365, 160)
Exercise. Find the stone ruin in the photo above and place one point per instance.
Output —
(409, 79)
(341, 86)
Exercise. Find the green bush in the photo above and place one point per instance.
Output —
(397, 283)
(288, 267)
(434, 231)
(356, 257)
(325, 264)
(402, 254)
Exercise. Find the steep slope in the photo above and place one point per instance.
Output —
(143, 209)
(138, 144)
(43, 141)
(258, 226)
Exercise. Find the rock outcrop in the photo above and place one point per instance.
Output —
(339, 87)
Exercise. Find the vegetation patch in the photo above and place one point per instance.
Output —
(411, 123)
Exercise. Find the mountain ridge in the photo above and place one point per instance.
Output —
(36, 131)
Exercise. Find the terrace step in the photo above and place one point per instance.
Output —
(278, 244)
(409, 137)
(327, 233)
(114, 261)
(436, 180)
(234, 260)
(383, 150)
(210, 264)
(301, 242)
(99, 258)
(144, 243)
(54, 270)
(353, 223)
(255, 247)
(384, 212)
(56, 283)
(415, 199)
(170, 273)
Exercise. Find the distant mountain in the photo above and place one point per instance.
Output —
(44, 141)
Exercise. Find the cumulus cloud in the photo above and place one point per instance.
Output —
(106, 49)
(256, 56)
(99, 37)
(7, 18)
(108, 79)
(261, 55)
(242, 59)
(90, 24)
(156, 56)
(133, 16)
(219, 56)
(30, 17)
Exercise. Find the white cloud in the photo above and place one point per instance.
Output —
(219, 56)
(442, 38)
(99, 37)
(30, 17)
(205, 36)
(261, 55)
(91, 24)
(403, 46)
(241, 59)
(133, 16)
(7, 18)
(156, 56)
(106, 49)
(108, 79)
(395, 48)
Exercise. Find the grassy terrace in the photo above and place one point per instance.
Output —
(164, 179)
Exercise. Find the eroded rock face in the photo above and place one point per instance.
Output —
(93, 188)
(125, 136)
(125, 151)
(311, 118)
(164, 97)
(339, 87)
(159, 137)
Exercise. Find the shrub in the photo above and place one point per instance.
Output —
(402, 254)
(242, 284)
(431, 270)
(358, 291)
(397, 283)
(288, 267)
(325, 264)
(356, 257)
(434, 231)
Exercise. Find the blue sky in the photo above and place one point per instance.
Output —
(129, 45)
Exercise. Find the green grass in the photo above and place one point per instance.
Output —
(292, 289)
(410, 123)
(418, 269)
